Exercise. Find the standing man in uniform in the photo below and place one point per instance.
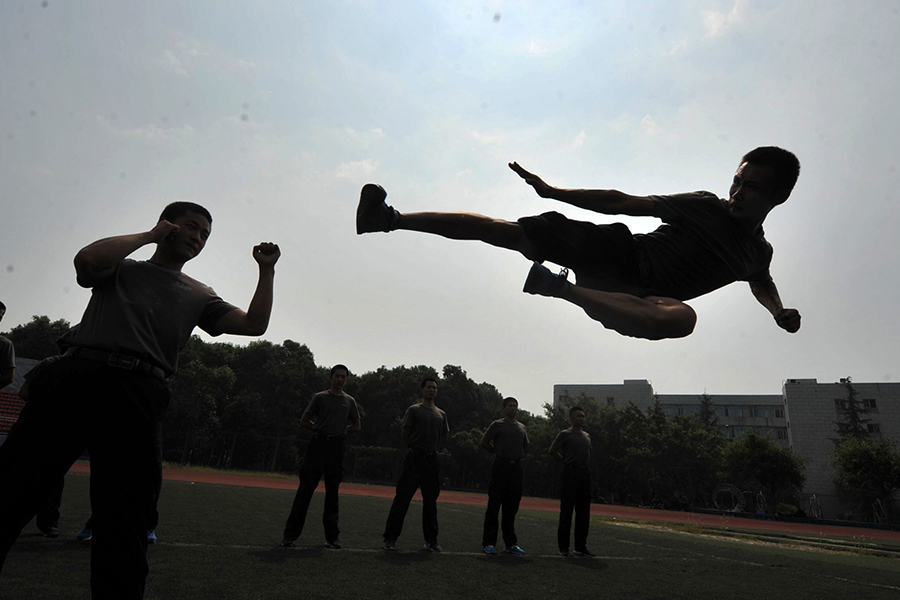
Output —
(108, 391)
(7, 356)
(331, 415)
(507, 440)
(425, 429)
(572, 447)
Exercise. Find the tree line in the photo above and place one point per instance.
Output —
(239, 407)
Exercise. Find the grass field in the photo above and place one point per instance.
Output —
(222, 542)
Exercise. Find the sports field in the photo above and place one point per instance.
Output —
(221, 541)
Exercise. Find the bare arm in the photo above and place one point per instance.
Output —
(487, 444)
(7, 376)
(767, 295)
(554, 452)
(256, 320)
(306, 421)
(355, 426)
(97, 261)
(406, 432)
(609, 202)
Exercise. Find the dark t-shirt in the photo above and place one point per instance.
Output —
(7, 354)
(699, 248)
(574, 446)
(427, 427)
(148, 311)
(509, 439)
(331, 414)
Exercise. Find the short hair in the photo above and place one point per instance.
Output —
(509, 399)
(573, 409)
(2, 306)
(179, 209)
(426, 380)
(785, 164)
(339, 367)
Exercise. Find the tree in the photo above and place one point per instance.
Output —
(853, 421)
(707, 415)
(867, 470)
(37, 338)
(754, 462)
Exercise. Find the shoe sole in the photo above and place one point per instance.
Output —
(371, 198)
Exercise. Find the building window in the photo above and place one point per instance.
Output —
(781, 434)
(611, 401)
(779, 413)
(840, 404)
(869, 403)
(873, 428)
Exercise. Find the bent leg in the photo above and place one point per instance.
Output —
(406, 489)
(469, 226)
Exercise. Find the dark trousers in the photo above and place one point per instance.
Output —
(575, 493)
(76, 404)
(420, 471)
(324, 456)
(504, 491)
(48, 512)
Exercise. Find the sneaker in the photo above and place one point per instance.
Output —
(390, 546)
(334, 545)
(432, 547)
(514, 550)
(51, 531)
(151, 536)
(564, 553)
(584, 553)
(544, 283)
(490, 550)
(287, 542)
(373, 214)
(84, 535)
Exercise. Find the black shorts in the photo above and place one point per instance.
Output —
(603, 257)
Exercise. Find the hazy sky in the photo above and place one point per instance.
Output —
(273, 115)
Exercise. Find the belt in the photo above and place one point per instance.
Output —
(328, 438)
(119, 361)
(507, 461)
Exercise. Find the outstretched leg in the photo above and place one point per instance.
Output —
(652, 317)
(374, 215)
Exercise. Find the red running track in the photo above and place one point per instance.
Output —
(858, 534)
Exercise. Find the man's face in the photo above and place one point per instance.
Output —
(753, 193)
(429, 391)
(189, 240)
(511, 409)
(577, 418)
(339, 378)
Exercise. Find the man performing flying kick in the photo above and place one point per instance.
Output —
(635, 284)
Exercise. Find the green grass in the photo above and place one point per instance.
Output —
(222, 542)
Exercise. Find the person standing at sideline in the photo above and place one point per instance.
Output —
(572, 447)
(507, 440)
(7, 356)
(425, 429)
(331, 415)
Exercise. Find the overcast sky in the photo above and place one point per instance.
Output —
(274, 114)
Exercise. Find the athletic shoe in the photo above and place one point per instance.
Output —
(84, 535)
(490, 550)
(432, 547)
(334, 545)
(50, 531)
(584, 553)
(151, 536)
(390, 546)
(564, 553)
(514, 550)
(373, 214)
(287, 542)
(544, 283)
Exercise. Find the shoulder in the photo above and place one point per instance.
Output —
(674, 204)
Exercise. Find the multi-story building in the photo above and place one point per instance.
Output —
(802, 418)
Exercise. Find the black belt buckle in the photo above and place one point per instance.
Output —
(122, 361)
